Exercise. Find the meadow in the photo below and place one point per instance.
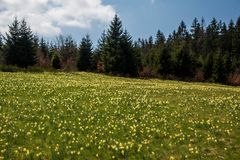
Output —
(92, 116)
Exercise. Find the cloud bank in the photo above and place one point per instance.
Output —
(48, 17)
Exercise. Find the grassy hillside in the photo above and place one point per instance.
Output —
(90, 116)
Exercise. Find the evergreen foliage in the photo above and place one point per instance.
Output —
(20, 49)
(210, 53)
(1, 50)
(56, 63)
(117, 50)
(85, 54)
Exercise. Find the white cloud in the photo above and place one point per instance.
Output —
(48, 17)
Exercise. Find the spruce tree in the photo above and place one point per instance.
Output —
(237, 41)
(56, 63)
(101, 44)
(20, 49)
(219, 70)
(165, 62)
(112, 51)
(117, 50)
(160, 38)
(1, 50)
(44, 48)
(85, 54)
(208, 66)
(27, 52)
(129, 61)
(12, 43)
(184, 64)
(197, 33)
(212, 37)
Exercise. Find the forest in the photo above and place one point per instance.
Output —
(204, 53)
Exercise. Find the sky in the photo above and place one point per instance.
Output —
(142, 18)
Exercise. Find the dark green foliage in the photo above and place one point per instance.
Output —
(229, 68)
(165, 62)
(210, 53)
(160, 38)
(12, 43)
(208, 66)
(44, 48)
(56, 63)
(184, 63)
(85, 55)
(219, 70)
(197, 33)
(117, 50)
(212, 37)
(129, 61)
(20, 49)
(32, 69)
(182, 32)
(112, 54)
(101, 44)
(237, 41)
(1, 50)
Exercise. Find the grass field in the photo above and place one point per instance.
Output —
(91, 116)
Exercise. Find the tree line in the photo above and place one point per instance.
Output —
(205, 53)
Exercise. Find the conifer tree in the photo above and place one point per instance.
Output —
(20, 49)
(112, 51)
(12, 46)
(197, 33)
(85, 54)
(44, 48)
(185, 64)
(118, 53)
(160, 38)
(1, 50)
(212, 37)
(219, 70)
(237, 41)
(56, 63)
(208, 66)
(165, 62)
(129, 61)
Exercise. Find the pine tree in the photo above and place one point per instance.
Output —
(212, 37)
(1, 50)
(237, 41)
(117, 51)
(27, 52)
(101, 44)
(185, 64)
(182, 33)
(197, 33)
(160, 38)
(85, 54)
(208, 66)
(112, 51)
(223, 39)
(165, 62)
(230, 37)
(56, 63)
(219, 70)
(129, 61)
(12, 44)
(99, 52)
(20, 49)
(44, 48)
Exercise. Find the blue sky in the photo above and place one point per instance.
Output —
(141, 18)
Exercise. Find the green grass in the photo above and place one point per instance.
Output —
(91, 116)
